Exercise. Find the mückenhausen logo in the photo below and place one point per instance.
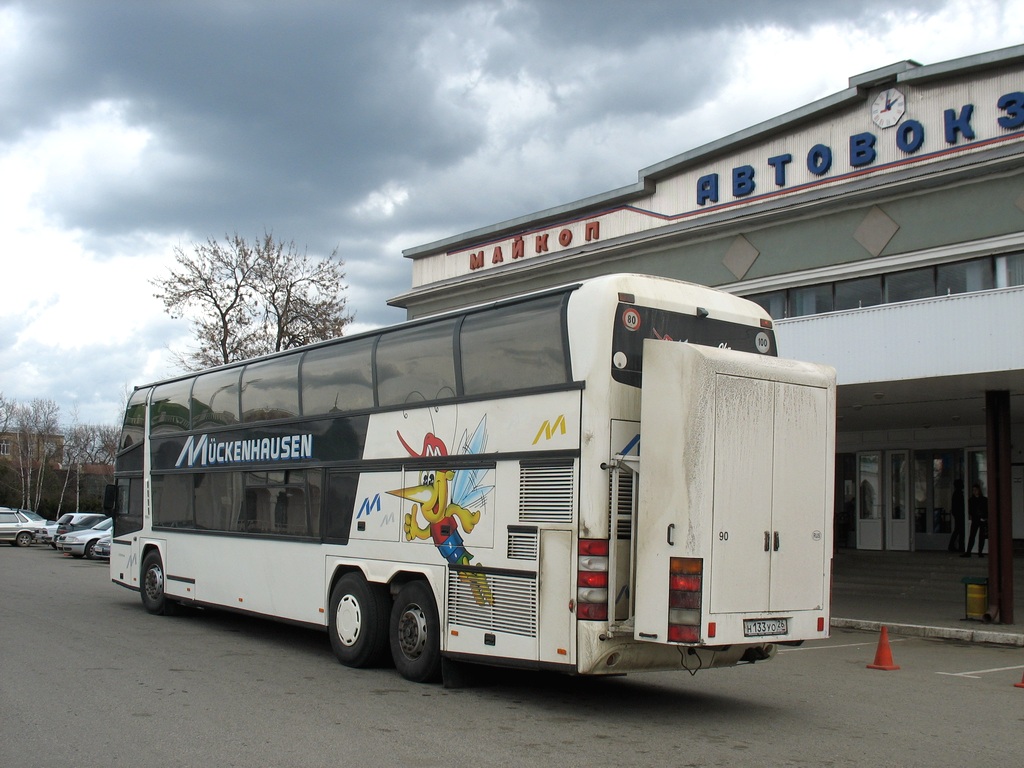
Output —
(205, 451)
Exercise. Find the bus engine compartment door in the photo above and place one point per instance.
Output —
(736, 462)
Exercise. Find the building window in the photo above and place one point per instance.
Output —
(1015, 270)
(906, 285)
(5, 448)
(910, 285)
(964, 277)
(773, 303)
(811, 300)
(862, 292)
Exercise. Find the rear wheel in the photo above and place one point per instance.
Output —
(415, 634)
(153, 597)
(23, 539)
(359, 621)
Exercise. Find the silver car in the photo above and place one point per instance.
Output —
(17, 528)
(102, 549)
(83, 543)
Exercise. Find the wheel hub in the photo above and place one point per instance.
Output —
(154, 583)
(348, 620)
(412, 632)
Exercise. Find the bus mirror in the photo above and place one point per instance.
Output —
(110, 499)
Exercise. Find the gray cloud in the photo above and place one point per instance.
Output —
(265, 116)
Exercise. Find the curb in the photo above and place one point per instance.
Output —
(942, 633)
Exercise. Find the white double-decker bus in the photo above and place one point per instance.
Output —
(610, 476)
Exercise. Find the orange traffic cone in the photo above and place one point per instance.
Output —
(1020, 684)
(883, 656)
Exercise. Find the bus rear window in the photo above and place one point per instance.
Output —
(634, 323)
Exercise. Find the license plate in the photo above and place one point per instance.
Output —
(765, 627)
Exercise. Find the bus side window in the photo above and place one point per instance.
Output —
(339, 503)
(416, 364)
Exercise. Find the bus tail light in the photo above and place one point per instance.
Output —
(685, 581)
(592, 580)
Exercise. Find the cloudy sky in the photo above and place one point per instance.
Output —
(130, 128)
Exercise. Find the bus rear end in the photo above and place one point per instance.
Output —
(733, 538)
(715, 484)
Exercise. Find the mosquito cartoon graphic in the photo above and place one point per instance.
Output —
(444, 499)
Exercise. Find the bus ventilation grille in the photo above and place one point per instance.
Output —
(523, 545)
(546, 492)
(503, 603)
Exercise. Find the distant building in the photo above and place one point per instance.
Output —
(882, 226)
(51, 446)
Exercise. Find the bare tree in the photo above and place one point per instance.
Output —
(246, 300)
(37, 433)
(6, 414)
(75, 442)
(87, 445)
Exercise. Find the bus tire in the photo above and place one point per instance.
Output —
(153, 597)
(415, 634)
(358, 621)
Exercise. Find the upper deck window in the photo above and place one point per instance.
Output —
(134, 428)
(270, 389)
(338, 377)
(215, 399)
(416, 364)
(514, 347)
(169, 408)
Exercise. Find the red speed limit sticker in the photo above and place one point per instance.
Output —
(631, 319)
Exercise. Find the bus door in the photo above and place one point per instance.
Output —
(124, 544)
(556, 587)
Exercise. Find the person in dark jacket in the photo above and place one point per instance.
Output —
(977, 511)
(956, 509)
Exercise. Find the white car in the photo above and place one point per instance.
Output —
(72, 522)
(83, 543)
(17, 528)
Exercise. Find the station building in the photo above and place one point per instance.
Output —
(882, 227)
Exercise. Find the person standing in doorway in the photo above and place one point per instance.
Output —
(977, 511)
(956, 509)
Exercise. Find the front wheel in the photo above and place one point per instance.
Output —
(415, 634)
(90, 549)
(359, 621)
(153, 597)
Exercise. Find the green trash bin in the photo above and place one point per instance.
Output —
(975, 597)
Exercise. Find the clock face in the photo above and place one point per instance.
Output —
(888, 107)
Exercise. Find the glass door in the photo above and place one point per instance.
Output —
(934, 473)
(869, 500)
(897, 511)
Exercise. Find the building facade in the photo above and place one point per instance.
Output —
(883, 228)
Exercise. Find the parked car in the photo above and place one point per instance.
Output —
(47, 532)
(16, 528)
(75, 521)
(43, 526)
(82, 543)
(102, 549)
